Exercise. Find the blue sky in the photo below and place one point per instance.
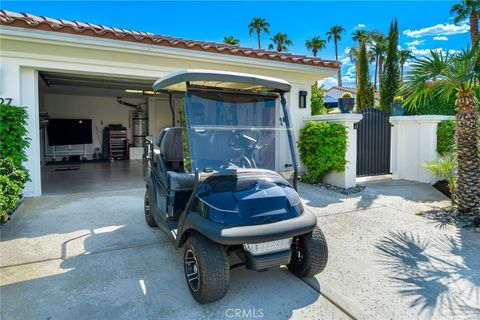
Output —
(423, 25)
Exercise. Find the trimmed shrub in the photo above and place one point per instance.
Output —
(316, 101)
(13, 142)
(322, 147)
(446, 137)
(13, 133)
(12, 180)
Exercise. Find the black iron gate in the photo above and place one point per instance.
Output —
(373, 143)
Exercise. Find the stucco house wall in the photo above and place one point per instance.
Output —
(25, 52)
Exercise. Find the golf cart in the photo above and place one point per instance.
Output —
(223, 185)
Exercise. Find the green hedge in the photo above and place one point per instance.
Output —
(322, 148)
(438, 105)
(12, 180)
(13, 133)
(446, 137)
(13, 144)
(317, 104)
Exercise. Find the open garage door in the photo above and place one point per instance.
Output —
(92, 129)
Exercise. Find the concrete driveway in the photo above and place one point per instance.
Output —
(91, 256)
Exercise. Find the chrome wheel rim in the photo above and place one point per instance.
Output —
(191, 270)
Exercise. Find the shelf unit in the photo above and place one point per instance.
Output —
(118, 144)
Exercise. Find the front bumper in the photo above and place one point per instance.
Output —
(250, 234)
(267, 260)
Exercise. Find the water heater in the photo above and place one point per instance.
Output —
(140, 129)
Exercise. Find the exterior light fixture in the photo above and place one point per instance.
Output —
(302, 99)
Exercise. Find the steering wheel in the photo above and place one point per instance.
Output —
(244, 140)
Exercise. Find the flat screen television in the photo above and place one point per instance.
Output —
(69, 131)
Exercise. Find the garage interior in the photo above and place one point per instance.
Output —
(92, 130)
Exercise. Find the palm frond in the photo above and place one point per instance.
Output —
(445, 168)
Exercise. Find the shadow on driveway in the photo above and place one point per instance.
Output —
(91, 256)
(430, 279)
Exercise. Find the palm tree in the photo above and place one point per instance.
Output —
(459, 75)
(231, 40)
(404, 55)
(280, 42)
(353, 55)
(359, 36)
(470, 9)
(315, 44)
(335, 33)
(378, 45)
(258, 25)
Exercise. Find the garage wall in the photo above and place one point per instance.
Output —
(102, 110)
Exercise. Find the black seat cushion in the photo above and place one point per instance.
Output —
(180, 181)
(171, 145)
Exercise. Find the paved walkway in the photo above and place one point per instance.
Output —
(387, 262)
(90, 256)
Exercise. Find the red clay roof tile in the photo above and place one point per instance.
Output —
(26, 20)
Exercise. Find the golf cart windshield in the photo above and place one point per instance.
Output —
(230, 130)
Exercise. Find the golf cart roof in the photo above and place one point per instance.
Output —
(220, 79)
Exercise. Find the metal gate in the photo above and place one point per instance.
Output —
(373, 143)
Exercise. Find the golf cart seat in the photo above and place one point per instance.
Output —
(171, 150)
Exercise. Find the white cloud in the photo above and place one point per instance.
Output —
(438, 29)
(360, 25)
(328, 82)
(440, 38)
(426, 52)
(415, 43)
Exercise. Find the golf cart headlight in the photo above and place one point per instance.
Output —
(256, 249)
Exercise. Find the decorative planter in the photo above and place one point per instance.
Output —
(346, 104)
(396, 109)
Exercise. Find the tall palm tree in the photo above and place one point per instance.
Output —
(459, 75)
(258, 25)
(280, 42)
(353, 55)
(335, 33)
(378, 46)
(359, 36)
(470, 9)
(404, 55)
(315, 44)
(231, 40)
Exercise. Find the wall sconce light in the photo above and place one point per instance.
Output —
(302, 99)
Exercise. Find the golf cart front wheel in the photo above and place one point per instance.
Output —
(207, 269)
(309, 254)
(148, 212)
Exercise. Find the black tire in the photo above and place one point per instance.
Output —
(309, 254)
(210, 262)
(148, 213)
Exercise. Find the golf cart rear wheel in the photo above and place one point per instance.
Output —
(207, 269)
(309, 254)
(148, 213)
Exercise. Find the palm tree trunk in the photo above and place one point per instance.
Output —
(258, 39)
(468, 160)
(474, 26)
(375, 75)
(339, 74)
(401, 72)
(315, 52)
(380, 70)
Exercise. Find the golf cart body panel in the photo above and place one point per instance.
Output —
(229, 172)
